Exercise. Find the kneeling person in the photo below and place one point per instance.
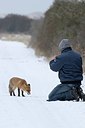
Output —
(69, 66)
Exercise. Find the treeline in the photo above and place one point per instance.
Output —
(64, 19)
(15, 24)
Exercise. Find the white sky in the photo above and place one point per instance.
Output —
(24, 6)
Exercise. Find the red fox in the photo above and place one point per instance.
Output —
(19, 83)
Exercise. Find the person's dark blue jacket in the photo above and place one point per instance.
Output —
(69, 66)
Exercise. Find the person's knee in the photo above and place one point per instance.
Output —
(50, 96)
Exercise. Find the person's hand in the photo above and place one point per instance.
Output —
(53, 57)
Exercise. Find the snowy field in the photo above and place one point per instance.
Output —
(33, 111)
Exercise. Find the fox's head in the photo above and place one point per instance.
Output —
(27, 88)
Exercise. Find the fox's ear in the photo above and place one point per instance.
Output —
(28, 84)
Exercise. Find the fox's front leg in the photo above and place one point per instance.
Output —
(23, 93)
(18, 92)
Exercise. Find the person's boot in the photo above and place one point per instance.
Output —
(75, 94)
(83, 97)
(81, 93)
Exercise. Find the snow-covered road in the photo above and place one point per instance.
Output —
(33, 111)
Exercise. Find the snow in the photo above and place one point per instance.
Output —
(36, 15)
(33, 111)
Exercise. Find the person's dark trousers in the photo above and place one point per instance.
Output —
(63, 92)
